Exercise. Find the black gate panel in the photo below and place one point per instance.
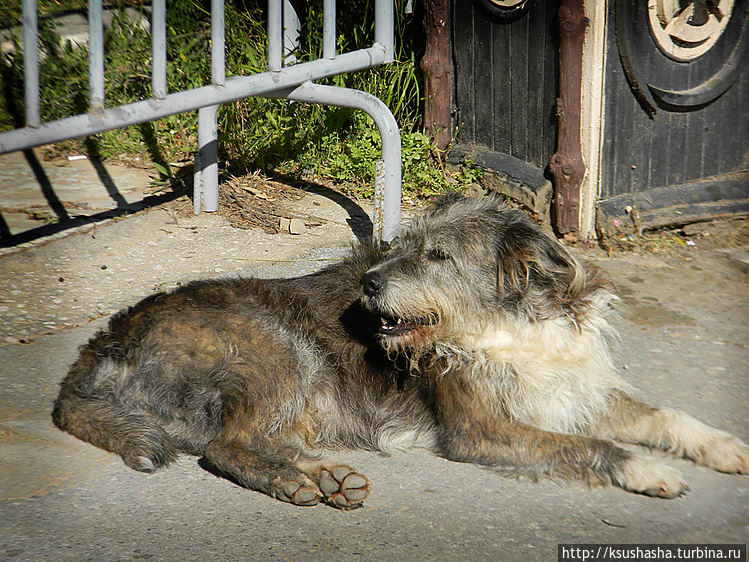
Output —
(676, 132)
(506, 79)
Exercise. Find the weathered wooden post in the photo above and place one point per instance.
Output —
(438, 71)
(567, 166)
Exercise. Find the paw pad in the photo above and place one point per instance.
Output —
(343, 487)
(299, 493)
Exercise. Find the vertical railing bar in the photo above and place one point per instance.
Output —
(197, 178)
(95, 57)
(387, 171)
(275, 35)
(378, 215)
(158, 48)
(390, 204)
(385, 27)
(31, 63)
(205, 182)
(218, 64)
(328, 29)
(208, 156)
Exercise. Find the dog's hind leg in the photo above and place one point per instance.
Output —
(266, 430)
(90, 407)
(631, 421)
(341, 485)
(136, 436)
(263, 465)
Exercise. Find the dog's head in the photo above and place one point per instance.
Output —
(464, 263)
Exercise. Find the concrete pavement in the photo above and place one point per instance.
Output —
(685, 332)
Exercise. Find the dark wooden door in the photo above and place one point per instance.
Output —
(506, 78)
(676, 117)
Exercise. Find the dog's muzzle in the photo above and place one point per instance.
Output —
(373, 284)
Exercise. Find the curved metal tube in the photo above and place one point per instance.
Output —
(388, 177)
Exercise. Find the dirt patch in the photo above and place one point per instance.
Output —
(732, 232)
(254, 201)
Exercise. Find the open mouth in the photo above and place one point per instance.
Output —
(399, 326)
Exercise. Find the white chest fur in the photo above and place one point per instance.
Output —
(554, 374)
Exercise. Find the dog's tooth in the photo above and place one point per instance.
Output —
(384, 321)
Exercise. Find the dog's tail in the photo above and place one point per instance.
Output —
(89, 408)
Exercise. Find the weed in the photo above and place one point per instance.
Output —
(43, 217)
(469, 173)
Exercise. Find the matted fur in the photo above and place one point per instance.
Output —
(474, 335)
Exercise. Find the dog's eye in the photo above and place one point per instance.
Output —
(438, 254)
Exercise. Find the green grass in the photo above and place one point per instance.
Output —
(275, 136)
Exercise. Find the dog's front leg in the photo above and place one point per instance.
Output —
(634, 422)
(473, 429)
(520, 448)
(276, 466)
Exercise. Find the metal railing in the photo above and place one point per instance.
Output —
(285, 78)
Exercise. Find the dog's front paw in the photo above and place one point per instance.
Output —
(725, 454)
(652, 478)
(343, 487)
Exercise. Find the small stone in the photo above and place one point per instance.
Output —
(296, 226)
(103, 266)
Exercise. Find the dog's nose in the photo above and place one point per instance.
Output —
(372, 283)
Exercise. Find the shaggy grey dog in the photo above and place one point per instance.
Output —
(474, 335)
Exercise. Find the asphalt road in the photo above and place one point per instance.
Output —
(685, 332)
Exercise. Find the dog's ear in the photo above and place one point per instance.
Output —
(555, 265)
(528, 259)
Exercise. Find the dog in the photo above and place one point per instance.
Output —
(473, 334)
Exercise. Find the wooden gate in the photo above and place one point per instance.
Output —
(676, 111)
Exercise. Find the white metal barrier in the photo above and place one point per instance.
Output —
(285, 78)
